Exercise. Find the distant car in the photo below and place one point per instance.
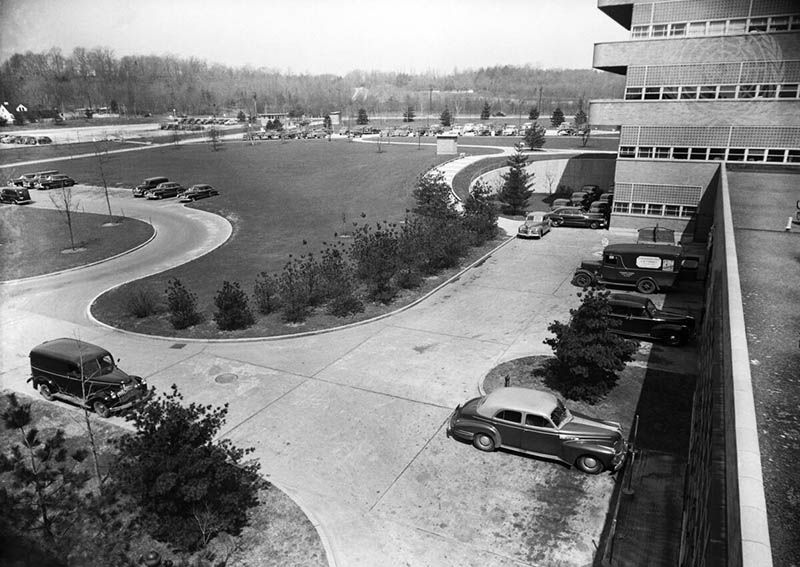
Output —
(576, 216)
(86, 375)
(15, 195)
(147, 184)
(7, 139)
(537, 423)
(55, 181)
(639, 318)
(557, 203)
(199, 191)
(600, 207)
(165, 190)
(536, 225)
(44, 140)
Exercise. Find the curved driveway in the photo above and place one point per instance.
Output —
(351, 423)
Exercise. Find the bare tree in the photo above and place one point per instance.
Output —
(62, 199)
(585, 133)
(101, 153)
(214, 138)
(550, 178)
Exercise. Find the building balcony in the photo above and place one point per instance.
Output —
(616, 57)
(749, 112)
(621, 11)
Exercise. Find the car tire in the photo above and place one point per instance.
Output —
(558, 222)
(44, 390)
(594, 225)
(483, 442)
(582, 280)
(589, 464)
(101, 409)
(646, 286)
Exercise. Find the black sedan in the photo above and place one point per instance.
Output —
(576, 216)
(199, 191)
(165, 190)
(537, 423)
(639, 318)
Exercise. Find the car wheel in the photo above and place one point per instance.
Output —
(483, 442)
(101, 409)
(646, 286)
(44, 390)
(673, 339)
(594, 225)
(582, 280)
(558, 222)
(589, 464)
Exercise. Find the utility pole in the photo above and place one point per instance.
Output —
(430, 104)
(255, 108)
(539, 108)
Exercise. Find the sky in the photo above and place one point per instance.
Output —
(319, 36)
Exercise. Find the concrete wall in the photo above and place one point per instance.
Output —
(549, 174)
(724, 510)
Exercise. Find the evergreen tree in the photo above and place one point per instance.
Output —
(589, 355)
(446, 118)
(487, 111)
(241, 117)
(362, 117)
(534, 137)
(408, 115)
(433, 196)
(480, 214)
(515, 191)
(233, 311)
(327, 123)
(580, 118)
(557, 117)
(534, 113)
(182, 305)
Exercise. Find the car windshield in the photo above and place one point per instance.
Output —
(535, 217)
(560, 414)
(98, 366)
(651, 309)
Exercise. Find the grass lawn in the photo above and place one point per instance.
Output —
(279, 532)
(36, 241)
(282, 199)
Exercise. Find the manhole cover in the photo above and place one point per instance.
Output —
(227, 378)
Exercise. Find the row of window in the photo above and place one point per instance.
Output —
(713, 92)
(654, 209)
(772, 155)
(718, 27)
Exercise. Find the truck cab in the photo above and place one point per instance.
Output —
(647, 267)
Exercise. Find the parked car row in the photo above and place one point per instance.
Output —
(49, 179)
(161, 187)
(26, 140)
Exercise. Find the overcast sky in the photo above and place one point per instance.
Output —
(319, 36)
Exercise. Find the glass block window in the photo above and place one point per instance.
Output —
(652, 93)
(655, 210)
(757, 25)
(638, 208)
(680, 153)
(756, 154)
(727, 91)
(776, 155)
(736, 154)
(788, 91)
(747, 91)
(672, 210)
(715, 154)
(767, 91)
(793, 156)
(676, 30)
(627, 151)
(708, 91)
(644, 152)
(688, 93)
(698, 153)
(661, 153)
(633, 93)
(669, 93)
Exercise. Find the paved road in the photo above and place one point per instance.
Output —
(351, 423)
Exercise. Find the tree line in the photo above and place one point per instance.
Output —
(51, 81)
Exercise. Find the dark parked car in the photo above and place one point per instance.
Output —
(576, 216)
(537, 423)
(84, 374)
(640, 318)
(647, 267)
(165, 190)
(55, 181)
(44, 140)
(15, 195)
(199, 191)
(147, 184)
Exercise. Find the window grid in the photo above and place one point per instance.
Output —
(654, 209)
(711, 136)
(787, 91)
(729, 26)
(772, 155)
(744, 72)
(657, 193)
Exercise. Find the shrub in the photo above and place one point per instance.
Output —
(338, 283)
(265, 293)
(345, 305)
(293, 291)
(588, 354)
(182, 305)
(233, 311)
(374, 253)
(434, 196)
(480, 214)
(142, 302)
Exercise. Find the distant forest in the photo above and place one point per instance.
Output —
(50, 81)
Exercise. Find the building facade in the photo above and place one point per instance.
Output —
(707, 82)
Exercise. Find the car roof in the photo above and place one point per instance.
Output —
(71, 350)
(524, 400)
(654, 249)
(628, 299)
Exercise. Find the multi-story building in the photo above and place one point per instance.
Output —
(711, 86)
(708, 81)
